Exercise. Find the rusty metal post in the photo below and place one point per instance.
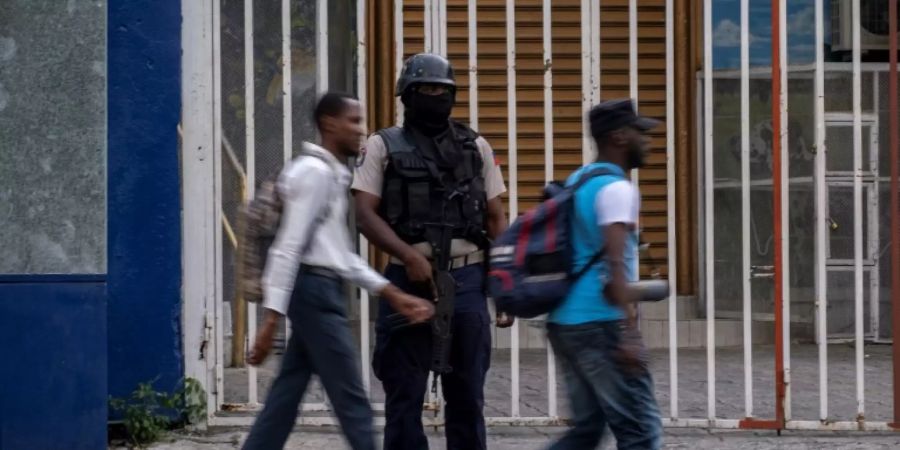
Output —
(685, 151)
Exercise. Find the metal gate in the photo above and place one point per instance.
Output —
(241, 126)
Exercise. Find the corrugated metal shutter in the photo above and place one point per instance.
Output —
(567, 91)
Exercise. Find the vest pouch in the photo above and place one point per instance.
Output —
(419, 201)
(393, 209)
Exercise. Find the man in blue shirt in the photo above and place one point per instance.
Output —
(594, 330)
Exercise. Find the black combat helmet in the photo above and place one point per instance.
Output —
(425, 68)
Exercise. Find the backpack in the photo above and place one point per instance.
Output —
(532, 262)
(259, 221)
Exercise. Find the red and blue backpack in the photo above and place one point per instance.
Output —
(532, 262)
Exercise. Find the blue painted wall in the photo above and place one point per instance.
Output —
(53, 364)
(70, 341)
(144, 66)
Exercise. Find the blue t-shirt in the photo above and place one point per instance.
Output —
(602, 201)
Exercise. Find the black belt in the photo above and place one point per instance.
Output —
(319, 271)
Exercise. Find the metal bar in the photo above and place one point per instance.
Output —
(513, 176)
(821, 213)
(197, 244)
(586, 93)
(552, 408)
(595, 65)
(250, 155)
(363, 94)
(398, 54)
(287, 97)
(473, 65)
(785, 214)
(671, 207)
(633, 81)
(858, 211)
(428, 25)
(321, 46)
(595, 51)
(233, 159)
(229, 232)
(872, 252)
(548, 90)
(895, 203)
(709, 209)
(745, 208)
(287, 103)
(777, 209)
(442, 27)
(633, 88)
(217, 177)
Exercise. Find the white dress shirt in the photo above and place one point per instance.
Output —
(308, 187)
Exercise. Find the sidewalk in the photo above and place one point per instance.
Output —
(538, 439)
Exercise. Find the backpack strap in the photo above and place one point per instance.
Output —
(322, 214)
(582, 180)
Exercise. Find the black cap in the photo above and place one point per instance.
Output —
(425, 68)
(614, 114)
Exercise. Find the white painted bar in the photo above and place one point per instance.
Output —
(548, 90)
(874, 238)
(671, 207)
(586, 92)
(398, 54)
(785, 212)
(745, 208)
(633, 88)
(428, 25)
(473, 64)
(286, 73)
(595, 52)
(217, 192)
(288, 112)
(197, 243)
(633, 50)
(513, 177)
(821, 213)
(708, 210)
(321, 46)
(552, 408)
(362, 94)
(858, 211)
(442, 27)
(250, 155)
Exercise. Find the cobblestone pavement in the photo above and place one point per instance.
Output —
(692, 383)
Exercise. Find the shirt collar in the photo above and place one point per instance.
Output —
(318, 150)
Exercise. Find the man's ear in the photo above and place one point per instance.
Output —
(326, 124)
(618, 137)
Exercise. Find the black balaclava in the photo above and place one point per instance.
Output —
(430, 114)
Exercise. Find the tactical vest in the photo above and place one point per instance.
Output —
(417, 194)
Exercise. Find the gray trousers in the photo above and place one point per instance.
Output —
(321, 343)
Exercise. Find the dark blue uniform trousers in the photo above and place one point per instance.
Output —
(402, 361)
(321, 343)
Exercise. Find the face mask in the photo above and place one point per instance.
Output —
(429, 111)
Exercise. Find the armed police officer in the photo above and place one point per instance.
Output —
(428, 194)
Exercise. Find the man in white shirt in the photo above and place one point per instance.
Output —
(309, 261)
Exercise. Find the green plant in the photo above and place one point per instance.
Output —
(149, 413)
